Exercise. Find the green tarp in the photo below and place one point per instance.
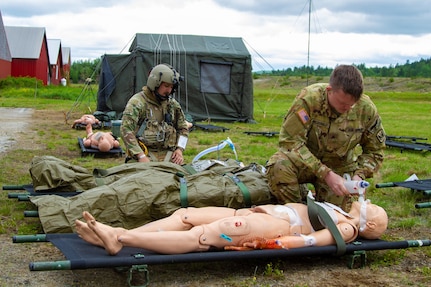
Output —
(131, 195)
(218, 82)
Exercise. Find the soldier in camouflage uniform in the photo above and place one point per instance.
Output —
(153, 125)
(331, 129)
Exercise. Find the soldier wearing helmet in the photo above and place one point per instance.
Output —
(330, 130)
(153, 125)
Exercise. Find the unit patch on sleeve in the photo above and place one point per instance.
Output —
(303, 116)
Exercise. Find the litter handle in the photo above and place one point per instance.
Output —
(13, 187)
(50, 265)
(385, 184)
(29, 238)
(423, 205)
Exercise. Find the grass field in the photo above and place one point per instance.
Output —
(404, 113)
(404, 105)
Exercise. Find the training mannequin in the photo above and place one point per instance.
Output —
(103, 141)
(267, 226)
(85, 120)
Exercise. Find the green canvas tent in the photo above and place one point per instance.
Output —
(218, 83)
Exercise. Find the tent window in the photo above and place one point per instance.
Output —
(215, 77)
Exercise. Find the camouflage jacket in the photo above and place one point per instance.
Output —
(324, 140)
(163, 122)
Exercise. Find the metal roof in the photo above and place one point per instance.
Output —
(54, 46)
(25, 42)
(65, 51)
(4, 47)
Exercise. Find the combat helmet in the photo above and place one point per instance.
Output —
(163, 73)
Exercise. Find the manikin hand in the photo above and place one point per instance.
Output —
(258, 243)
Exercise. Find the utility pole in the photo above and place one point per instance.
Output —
(309, 32)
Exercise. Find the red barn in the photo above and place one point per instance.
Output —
(5, 57)
(55, 60)
(67, 62)
(29, 50)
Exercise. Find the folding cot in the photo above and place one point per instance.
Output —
(94, 151)
(82, 255)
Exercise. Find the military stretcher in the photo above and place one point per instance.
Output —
(417, 185)
(210, 128)
(408, 143)
(96, 152)
(267, 134)
(99, 125)
(82, 255)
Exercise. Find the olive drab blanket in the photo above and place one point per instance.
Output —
(130, 195)
(51, 173)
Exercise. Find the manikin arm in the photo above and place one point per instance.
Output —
(319, 238)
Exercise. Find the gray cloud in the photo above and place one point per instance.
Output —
(29, 8)
(351, 16)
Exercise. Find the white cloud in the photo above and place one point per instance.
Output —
(279, 33)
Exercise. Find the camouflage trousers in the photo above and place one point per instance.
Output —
(289, 180)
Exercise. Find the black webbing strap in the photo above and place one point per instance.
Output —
(323, 214)
(244, 190)
(183, 190)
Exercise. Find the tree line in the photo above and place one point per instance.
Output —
(83, 69)
(419, 69)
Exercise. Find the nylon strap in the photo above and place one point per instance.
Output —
(313, 214)
(189, 169)
(242, 187)
(141, 129)
(341, 244)
(183, 191)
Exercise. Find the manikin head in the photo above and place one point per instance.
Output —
(373, 219)
(105, 144)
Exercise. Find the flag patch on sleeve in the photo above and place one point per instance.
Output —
(303, 116)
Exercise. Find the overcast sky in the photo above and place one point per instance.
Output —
(373, 32)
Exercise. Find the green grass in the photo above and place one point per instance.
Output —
(405, 113)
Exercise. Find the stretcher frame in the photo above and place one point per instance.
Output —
(408, 143)
(418, 185)
(96, 152)
(27, 190)
(267, 134)
(81, 255)
(210, 128)
(100, 125)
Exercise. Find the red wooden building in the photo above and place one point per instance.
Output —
(5, 57)
(29, 51)
(67, 63)
(55, 60)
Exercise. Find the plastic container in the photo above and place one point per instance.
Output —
(115, 128)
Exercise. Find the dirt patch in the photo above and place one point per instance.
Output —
(13, 123)
(406, 266)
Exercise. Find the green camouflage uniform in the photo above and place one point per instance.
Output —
(314, 139)
(164, 123)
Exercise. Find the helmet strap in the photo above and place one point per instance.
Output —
(160, 98)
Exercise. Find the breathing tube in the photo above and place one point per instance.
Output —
(221, 145)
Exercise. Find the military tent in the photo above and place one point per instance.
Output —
(218, 83)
